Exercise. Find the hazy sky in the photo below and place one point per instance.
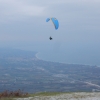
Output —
(23, 25)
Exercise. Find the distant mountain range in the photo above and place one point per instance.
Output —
(21, 69)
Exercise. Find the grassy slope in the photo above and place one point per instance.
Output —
(75, 95)
(33, 95)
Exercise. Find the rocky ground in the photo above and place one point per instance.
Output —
(67, 96)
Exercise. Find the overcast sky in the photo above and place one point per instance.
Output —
(23, 25)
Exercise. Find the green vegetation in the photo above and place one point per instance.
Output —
(45, 94)
(6, 98)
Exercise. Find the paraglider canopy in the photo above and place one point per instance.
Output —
(54, 21)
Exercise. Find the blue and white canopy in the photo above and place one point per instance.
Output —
(54, 21)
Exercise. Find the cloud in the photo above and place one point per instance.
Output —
(19, 9)
(12, 9)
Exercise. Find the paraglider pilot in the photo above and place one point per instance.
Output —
(50, 38)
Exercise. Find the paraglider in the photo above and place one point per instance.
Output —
(54, 21)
